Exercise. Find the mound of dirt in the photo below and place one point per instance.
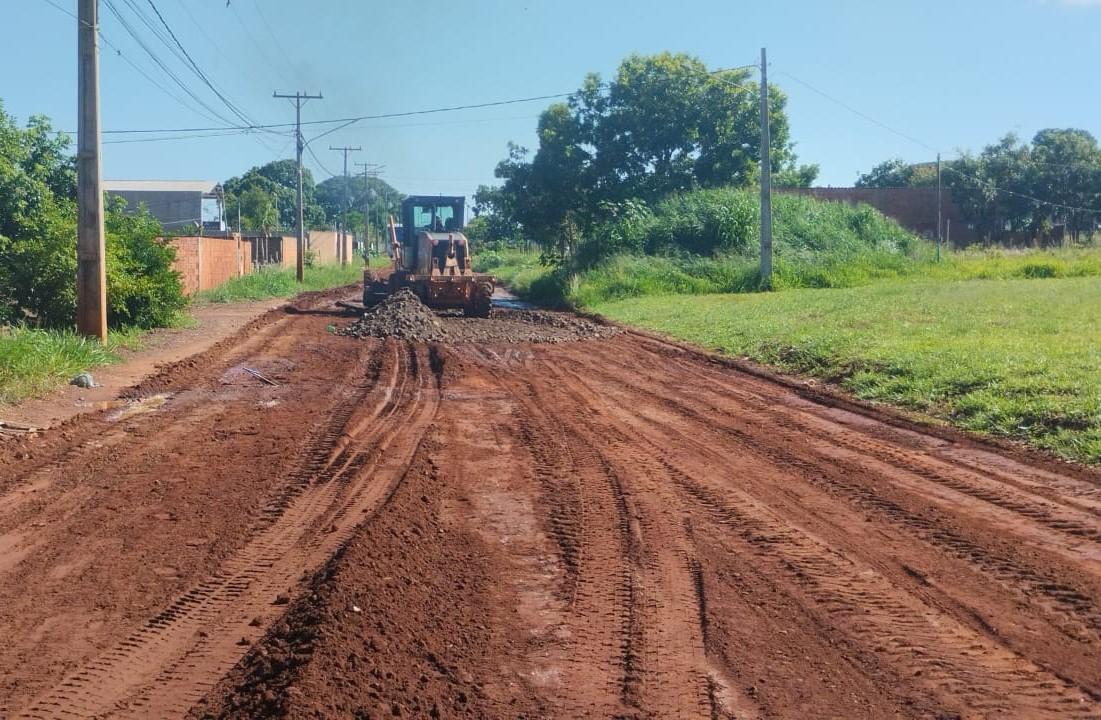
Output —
(404, 316)
(526, 326)
(401, 315)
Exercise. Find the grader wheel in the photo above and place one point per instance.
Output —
(481, 303)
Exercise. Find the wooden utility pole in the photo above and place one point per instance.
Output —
(766, 181)
(299, 98)
(91, 274)
(940, 234)
(347, 203)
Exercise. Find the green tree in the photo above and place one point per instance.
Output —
(665, 123)
(1066, 169)
(332, 194)
(38, 240)
(279, 180)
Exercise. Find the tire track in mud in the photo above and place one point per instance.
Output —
(674, 678)
(595, 546)
(958, 666)
(162, 669)
(789, 450)
(1058, 502)
(639, 437)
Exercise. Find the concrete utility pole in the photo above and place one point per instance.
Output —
(347, 202)
(91, 274)
(940, 235)
(299, 98)
(766, 181)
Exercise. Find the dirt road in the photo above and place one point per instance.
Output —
(611, 528)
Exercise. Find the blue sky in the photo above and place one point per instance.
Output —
(949, 74)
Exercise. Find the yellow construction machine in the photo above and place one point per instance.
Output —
(431, 256)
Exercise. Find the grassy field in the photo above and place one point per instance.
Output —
(1018, 358)
(274, 283)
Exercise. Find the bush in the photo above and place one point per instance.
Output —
(38, 270)
(725, 221)
(38, 240)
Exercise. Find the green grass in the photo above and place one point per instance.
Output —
(1013, 358)
(34, 361)
(279, 282)
(627, 276)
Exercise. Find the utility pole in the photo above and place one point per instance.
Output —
(766, 181)
(347, 202)
(370, 170)
(299, 98)
(366, 215)
(940, 235)
(91, 274)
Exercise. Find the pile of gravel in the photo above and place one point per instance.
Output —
(526, 326)
(401, 315)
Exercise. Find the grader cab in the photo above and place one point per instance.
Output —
(431, 256)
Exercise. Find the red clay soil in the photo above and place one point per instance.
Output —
(212, 323)
(610, 528)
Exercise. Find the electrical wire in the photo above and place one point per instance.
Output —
(317, 160)
(990, 184)
(140, 70)
(271, 33)
(198, 71)
(856, 112)
(136, 36)
(228, 133)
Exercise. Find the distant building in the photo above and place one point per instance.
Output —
(177, 204)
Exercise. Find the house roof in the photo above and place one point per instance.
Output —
(201, 186)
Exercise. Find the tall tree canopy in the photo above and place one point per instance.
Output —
(278, 180)
(665, 123)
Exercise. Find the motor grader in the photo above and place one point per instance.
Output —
(431, 256)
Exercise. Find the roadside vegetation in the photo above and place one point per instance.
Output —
(280, 282)
(1013, 358)
(34, 361)
(635, 217)
(38, 258)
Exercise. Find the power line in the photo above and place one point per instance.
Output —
(348, 120)
(992, 186)
(317, 160)
(854, 111)
(133, 33)
(198, 71)
(254, 41)
(228, 133)
(141, 71)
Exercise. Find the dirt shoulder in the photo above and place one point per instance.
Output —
(213, 322)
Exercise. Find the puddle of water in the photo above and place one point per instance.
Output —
(505, 300)
(131, 408)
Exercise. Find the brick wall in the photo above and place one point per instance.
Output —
(913, 208)
(204, 263)
(324, 245)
